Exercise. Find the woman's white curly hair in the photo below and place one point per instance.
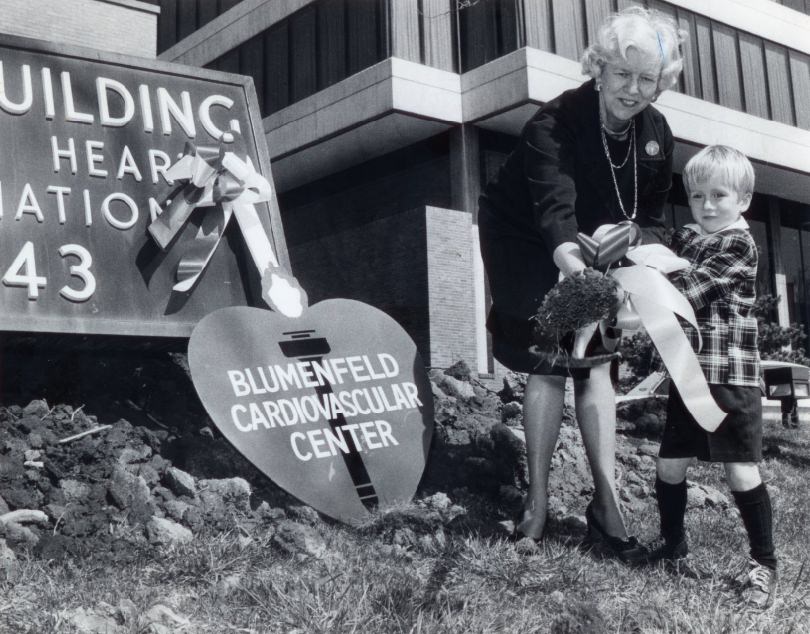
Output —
(647, 30)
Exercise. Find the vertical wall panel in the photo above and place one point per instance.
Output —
(186, 18)
(569, 29)
(752, 64)
(438, 27)
(800, 75)
(623, 4)
(776, 61)
(405, 30)
(479, 34)
(729, 87)
(206, 11)
(167, 24)
(331, 42)
(705, 55)
(224, 5)
(304, 76)
(229, 62)
(596, 12)
(669, 10)
(510, 39)
(690, 78)
(251, 62)
(361, 17)
(276, 69)
(538, 26)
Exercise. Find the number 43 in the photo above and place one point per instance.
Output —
(23, 273)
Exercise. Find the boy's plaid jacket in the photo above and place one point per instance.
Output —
(720, 285)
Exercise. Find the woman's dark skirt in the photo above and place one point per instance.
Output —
(520, 271)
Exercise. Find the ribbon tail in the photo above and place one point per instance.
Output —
(676, 352)
(642, 281)
(626, 318)
(280, 289)
(282, 292)
(582, 337)
(201, 250)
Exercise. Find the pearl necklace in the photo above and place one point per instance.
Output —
(631, 147)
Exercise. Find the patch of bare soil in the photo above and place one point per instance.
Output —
(110, 455)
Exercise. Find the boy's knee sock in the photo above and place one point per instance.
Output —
(672, 508)
(757, 516)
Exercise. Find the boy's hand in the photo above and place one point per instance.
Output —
(568, 259)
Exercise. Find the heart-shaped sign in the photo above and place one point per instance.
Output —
(334, 406)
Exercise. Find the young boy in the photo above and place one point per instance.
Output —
(720, 286)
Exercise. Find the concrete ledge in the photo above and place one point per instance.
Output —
(503, 94)
(229, 30)
(135, 4)
(769, 20)
(390, 85)
(385, 107)
(397, 102)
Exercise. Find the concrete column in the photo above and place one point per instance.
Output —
(465, 175)
(778, 266)
(465, 188)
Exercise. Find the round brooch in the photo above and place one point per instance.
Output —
(651, 148)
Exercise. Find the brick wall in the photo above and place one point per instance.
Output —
(450, 287)
(120, 26)
(415, 265)
(382, 263)
(382, 233)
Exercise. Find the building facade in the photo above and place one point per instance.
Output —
(385, 118)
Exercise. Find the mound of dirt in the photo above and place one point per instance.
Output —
(134, 462)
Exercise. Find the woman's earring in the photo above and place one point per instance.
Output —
(598, 86)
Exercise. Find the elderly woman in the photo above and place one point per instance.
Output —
(594, 155)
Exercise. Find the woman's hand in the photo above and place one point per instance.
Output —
(568, 259)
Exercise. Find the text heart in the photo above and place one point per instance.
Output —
(334, 406)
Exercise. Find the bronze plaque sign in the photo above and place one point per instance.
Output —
(87, 140)
(334, 406)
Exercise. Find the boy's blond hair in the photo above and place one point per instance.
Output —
(732, 164)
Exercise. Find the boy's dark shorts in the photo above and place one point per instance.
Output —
(737, 439)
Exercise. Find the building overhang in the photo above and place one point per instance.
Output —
(396, 103)
(390, 105)
(503, 94)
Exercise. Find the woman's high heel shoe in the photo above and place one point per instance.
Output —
(520, 533)
(629, 550)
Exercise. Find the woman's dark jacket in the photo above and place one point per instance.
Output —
(555, 183)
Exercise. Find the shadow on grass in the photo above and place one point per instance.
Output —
(781, 450)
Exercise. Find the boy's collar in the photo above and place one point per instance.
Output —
(740, 223)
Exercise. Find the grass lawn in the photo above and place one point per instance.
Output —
(464, 580)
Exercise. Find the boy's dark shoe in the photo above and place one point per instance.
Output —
(761, 586)
(663, 549)
(674, 558)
